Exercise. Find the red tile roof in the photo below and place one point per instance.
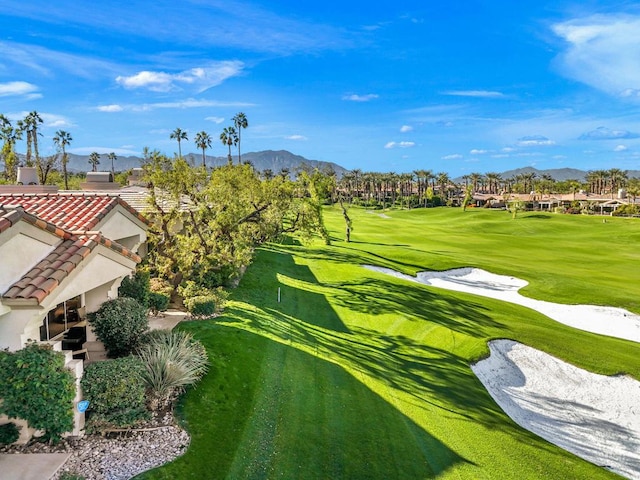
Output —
(71, 211)
(42, 279)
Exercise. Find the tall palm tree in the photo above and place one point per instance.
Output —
(113, 157)
(240, 122)
(229, 137)
(62, 139)
(94, 161)
(9, 136)
(179, 135)
(203, 141)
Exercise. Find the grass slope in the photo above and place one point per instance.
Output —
(362, 376)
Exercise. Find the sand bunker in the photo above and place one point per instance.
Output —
(592, 416)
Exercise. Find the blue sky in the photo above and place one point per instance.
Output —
(466, 86)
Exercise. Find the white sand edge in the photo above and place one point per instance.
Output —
(593, 416)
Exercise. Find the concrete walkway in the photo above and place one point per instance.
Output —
(167, 320)
(30, 466)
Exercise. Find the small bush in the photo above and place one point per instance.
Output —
(71, 476)
(35, 386)
(201, 306)
(160, 285)
(118, 324)
(9, 433)
(116, 392)
(137, 287)
(172, 360)
(158, 302)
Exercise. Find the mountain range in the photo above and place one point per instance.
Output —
(276, 161)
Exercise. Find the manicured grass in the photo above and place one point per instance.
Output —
(359, 375)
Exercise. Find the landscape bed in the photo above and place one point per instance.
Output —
(355, 374)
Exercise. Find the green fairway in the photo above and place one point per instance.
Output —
(358, 375)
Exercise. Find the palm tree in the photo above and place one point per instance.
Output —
(179, 135)
(10, 136)
(62, 139)
(112, 156)
(203, 141)
(240, 122)
(229, 137)
(617, 179)
(94, 161)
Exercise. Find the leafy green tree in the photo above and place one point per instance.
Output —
(203, 141)
(208, 227)
(240, 121)
(94, 161)
(36, 386)
(62, 140)
(179, 135)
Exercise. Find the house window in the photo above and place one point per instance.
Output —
(59, 320)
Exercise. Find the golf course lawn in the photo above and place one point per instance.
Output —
(354, 374)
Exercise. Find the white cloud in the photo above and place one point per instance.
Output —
(474, 93)
(216, 120)
(110, 108)
(604, 133)
(477, 151)
(10, 89)
(296, 137)
(104, 151)
(534, 141)
(602, 52)
(360, 98)
(620, 148)
(200, 78)
(406, 128)
(508, 149)
(455, 156)
(400, 144)
(188, 103)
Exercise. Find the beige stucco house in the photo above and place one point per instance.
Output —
(61, 256)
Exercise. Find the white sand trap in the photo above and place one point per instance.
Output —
(593, 416)
(615, 322)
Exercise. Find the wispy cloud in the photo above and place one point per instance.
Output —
(200, 78)
(602, 52)
(216, 120)
(18, 89)
(406, 128)
(400, 145)
(534, 141)
(603, 133)
(474, 93)
(51, 120)
(478, 151)
(360, 98)
(454, 156)
(110, 108)
(620, 148)
(122, 151)
(296, 137)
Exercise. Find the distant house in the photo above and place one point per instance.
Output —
(61, 256)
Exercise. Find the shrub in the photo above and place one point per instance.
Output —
(9, 433)
(172, 360)
(201, 301)
(118, 324)
(137, 287)
(116, 392)
(158, 302)
(160, 285)
(71, 476)
(201, 306)
(36, 386)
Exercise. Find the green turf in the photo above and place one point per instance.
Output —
(358, 375)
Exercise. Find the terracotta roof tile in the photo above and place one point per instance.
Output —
(43, 278)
